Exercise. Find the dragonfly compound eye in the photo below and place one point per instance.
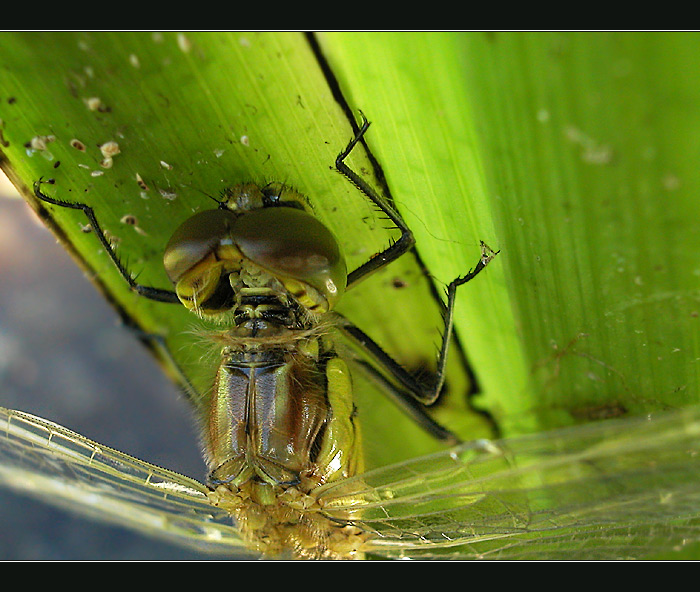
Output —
(196, 260)
(289, 244)
(296, 248)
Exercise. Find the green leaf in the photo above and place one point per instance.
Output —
(573, 153)
(577, 153)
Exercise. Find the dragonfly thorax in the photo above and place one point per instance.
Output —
(281, 414)
(265, 312)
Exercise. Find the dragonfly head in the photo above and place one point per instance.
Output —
(273, 244)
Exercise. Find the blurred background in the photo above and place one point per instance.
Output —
(65, 356)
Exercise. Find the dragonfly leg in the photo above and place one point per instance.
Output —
(405, 241)
(156, 294)
(409, 404)
(426, 393)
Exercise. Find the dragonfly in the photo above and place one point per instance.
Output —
(301, 490)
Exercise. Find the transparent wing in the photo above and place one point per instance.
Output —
(56, 465)
(617, 489)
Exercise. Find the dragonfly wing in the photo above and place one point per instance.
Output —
(56, 465)
(616, 489)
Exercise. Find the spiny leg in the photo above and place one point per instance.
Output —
(156, 294)
(154, 342)
(408, 404)
(426, 393)
(405, 241)
(487, 254)
(413, 390)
